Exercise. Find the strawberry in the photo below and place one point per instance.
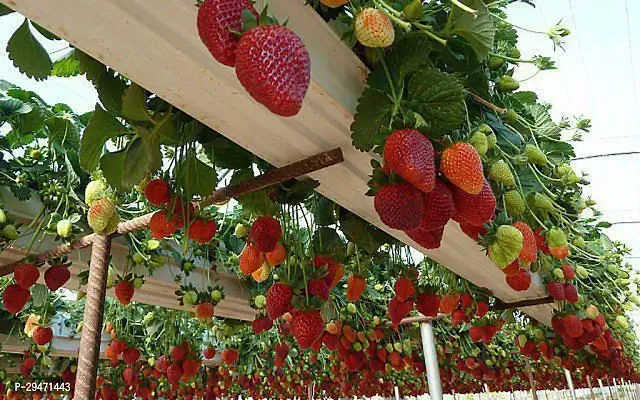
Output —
(568, 272)
(520, 281)
(476, 333)
(251, 259)
(177, 353)
(42, 335)
(512, 268)
(475, 209)
(190, 367)
(473, 232)
(449, 302)
(400, 206)
(427, 239)
(130, 355)
(124, 292)
(534, 154)
(162, 225)
(457, 317)
(217, 21)
(410, 154)
(158, 192)
(541, 241)
(209, 352)
(282, 350)
(466, 300)
(94, 191)
(279, 298)
(262, 273)
(277, 255)
(307, 327)
(202, 230)
(374, 28)
(119, 346)
(334, 3)
(274, 66)
(439, 207)
(26, 274)
(529, 252)
(404, 288)
(556, 290)
(398, 310)
(560, 252)
(14, 298)
(318, 288)
(100, 213)
(506, 246)
(501, 173)
(428, 304)
(56, 276)
(572, 326)
(128, 374)
(514, 203)
(174, 373)
(265, 234)
(355, 287)
(571, 293)
(482, 308)
(461, 164)
(262, 324)
(204, 311)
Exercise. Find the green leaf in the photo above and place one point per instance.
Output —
(10, 106)
(360, 233)
(152, 147)
(373, 116)
(39, 294)
(558, 152)
(525, 97)
(27, 53)
(111, 88)
(112, 167)
(256, 202)
(66, 66)
(504, 135)
(227, 154)
(102, 127)
(93, 68)
(167, 131)
(324, 211)
(439, 98)
(134, 104)
(604, 224)
(477, 30)
(45, 32)
(326, 242)
(136, 163)
(195, 177)
(4, 10)
(63, 131)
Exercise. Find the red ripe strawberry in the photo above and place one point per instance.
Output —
(427, 239)
(177, 353)
(262, 324)
(202, 230)
(512, 268)
(158, 192)
(217, 21)
(278, 300)
(404, 288)
(457, 317)
(476, 333)
(461, 164)
(355, 287)
(529, 252)
(307, 327)
(570, 293)
(190, 367)
(572, 326)
(541, 242)
(568, 272)
(14, 298)
(282, 350)
(130, 355)
(465, 301)
(556, 290)
(26, 274)
(209, 352)
(204, 311)
(56, 276)
(400, 206)
(265, 233)
(399, 309)
(251, 259)
(128, 374)
(410, 154)
(174, 373)
(42, 335)
(474, 209)
(162, 225)
(520, 281)
(482, 309)
(319, 288)
(124, 292)
(119, 346)
(274, 66)
(439, 207)
(473, 232)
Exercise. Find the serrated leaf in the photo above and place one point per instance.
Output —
(112, 167)
(227, 154)
(10, 106)
(62, 131)
(111, 89)
(360, 233)
(327, 242)
(477, 30)
(256, 202)
(439, 98)
(604, 224)
(196, 177)
(373, 116)
(92, 68)
(136, 163)
(506, 138)
(324, 211)
(27, 54)
(525, 97)
(45, 32)
(39, 294)
(101, 127)
(167, 131)
(66, 66)
(134, 104)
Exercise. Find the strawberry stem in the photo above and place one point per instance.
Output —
(466, 8)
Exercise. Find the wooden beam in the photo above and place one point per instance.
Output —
(523, 303)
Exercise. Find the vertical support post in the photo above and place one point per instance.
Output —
(431, 360)
(532, 382)
(592, 395)
(615, 385)
(92, 319)
(396, 392)
(487, 391)
(572, 390)
(637, 390)
(604, 396)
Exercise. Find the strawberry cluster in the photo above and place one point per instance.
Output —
(263, 250)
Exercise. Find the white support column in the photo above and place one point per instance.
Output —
(591, 394)
(572, 390)
(397, 392)
(615, 385)
(431, 360)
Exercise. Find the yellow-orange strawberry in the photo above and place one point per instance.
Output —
(374, 28)
(100, 214)
(277, 256)
(262, 273)
(461, 164)
(251, 259)
(334, 3)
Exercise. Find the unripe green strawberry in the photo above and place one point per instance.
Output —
(3, 217)
(514, 53)
(413, 10)
(374, 28)
(64, 228)
(260, 301)
(389, 347)
(515, 203)
(241, 230)
(138, 282)
(558, 273)
(190, 298)
(397, 346)
(507, 84)
(622, 322)
(357, 346)
(216, 295)
(112, 225)
(351, 308)
(591, 312)
(556, 237)
(507, 245)
(578, 241)
(510, 116)
(10, 232)
(492, 140)
(582, 272)
(522, 340)
(590, 202)
(94, 191)
(538, 333)
(501, 173)
(495, 62)
(100, 214)
(479, 140)
(111, 278)
(534, 154)
(542, 202)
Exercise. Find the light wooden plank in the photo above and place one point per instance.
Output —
(156, 44)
